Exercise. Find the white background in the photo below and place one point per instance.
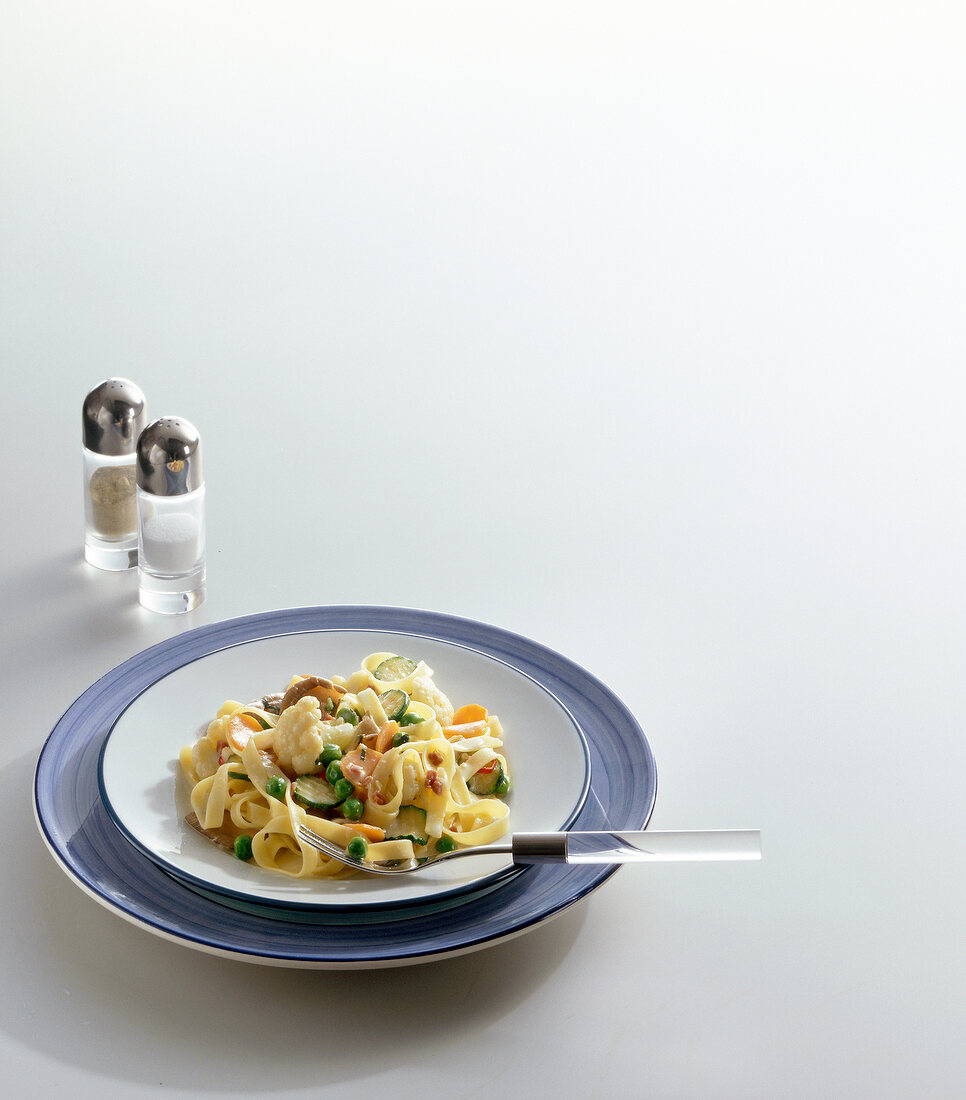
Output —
(634, 328)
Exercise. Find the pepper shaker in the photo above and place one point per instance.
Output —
(171, 516)
(113, 416)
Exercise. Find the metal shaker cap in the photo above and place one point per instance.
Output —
(114, 415)
(169, 458)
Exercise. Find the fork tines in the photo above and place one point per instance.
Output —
(314, 840)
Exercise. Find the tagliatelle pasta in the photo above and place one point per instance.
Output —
(378, 762)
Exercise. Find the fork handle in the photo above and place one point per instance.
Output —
(539, 847)
(641, 846)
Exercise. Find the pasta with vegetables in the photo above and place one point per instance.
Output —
(380, 763)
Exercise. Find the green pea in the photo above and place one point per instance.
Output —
(329, 753)
(400, 738)
(243, 846)
(275, 786)
(357, 848)
(333, 772)
(410, 719)
(445, 844)
(352, 809)
(347, 714)
(502, 786)
(343, 788)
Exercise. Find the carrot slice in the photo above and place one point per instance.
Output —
(241, 727)
(465, 729)
(358, 768)
(386, 734)
(370, 832)
(469, 712)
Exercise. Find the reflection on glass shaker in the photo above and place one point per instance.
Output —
(171, 517)
(114, 413)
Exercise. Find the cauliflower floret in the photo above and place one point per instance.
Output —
(425, 691)
(342, 734)
(204, 758)
(217, 732)
(298, 735)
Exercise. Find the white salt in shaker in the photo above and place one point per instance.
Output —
(171, 517)
(113, 416)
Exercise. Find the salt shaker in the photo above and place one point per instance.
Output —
(171, 516)
(113, 415)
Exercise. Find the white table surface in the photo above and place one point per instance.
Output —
(637, 329)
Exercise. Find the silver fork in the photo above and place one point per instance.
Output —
(636, 846)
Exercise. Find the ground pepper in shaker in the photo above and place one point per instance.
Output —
(113, 416)
(171, 517)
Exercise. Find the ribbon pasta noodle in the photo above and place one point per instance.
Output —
(380, 763)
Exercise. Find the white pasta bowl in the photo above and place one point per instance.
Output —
(147, 797)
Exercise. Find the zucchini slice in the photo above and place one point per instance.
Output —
(315, 792)
(486, 780)
(394, 702)
(410, 824)
(394, 668)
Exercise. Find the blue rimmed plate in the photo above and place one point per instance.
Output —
(148, 799)
(81, 834)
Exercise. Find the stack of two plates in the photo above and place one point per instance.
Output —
(110, 803)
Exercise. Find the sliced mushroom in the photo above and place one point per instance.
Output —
(223, 837)
(270, 703)
(321, 688)
(367, 730)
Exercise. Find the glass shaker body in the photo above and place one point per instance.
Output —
(110, 511)
(171, 517)
(171, 551)
(113, 416)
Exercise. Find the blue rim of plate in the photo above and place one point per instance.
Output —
(83, 839)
